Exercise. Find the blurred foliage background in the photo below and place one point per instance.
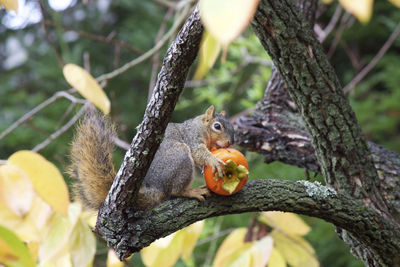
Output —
(30, 74)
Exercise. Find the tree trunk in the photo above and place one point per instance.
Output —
(343, 156)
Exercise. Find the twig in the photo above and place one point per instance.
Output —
(96, 37)
(346, 18)
(155, 59)
(215, 236)
(353, 55)
(59, 58)
(150, 52)
(86, 61)
(44, 104)
(65, 115)
(167, 3)
(245, 112)
(61, 130)
(331, 25)
(212, 247)
(121, 143)
(373, 62)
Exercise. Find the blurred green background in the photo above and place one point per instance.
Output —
(30, 74)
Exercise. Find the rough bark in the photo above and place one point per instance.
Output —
(342, 154)
(302, 197)
(111, 222)
(313, 85)
(276, 130)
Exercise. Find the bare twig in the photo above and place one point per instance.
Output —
(167, 3)
(374, 61)
(121, 143)
(214, 236)
(150, 52)
(44, 104)
(65, 115)
(245, 112)
(101, 78)
(322, 34)
(347, 19)
(212, 247)
(61, 130)
(59, 57)
(155, 59)
(95, 37)
(86, 61)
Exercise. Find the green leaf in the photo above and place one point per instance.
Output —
(13, 252)
(209, 51)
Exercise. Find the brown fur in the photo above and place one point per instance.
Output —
(171, 172)
(91, 159)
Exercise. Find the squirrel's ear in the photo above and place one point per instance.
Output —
(209, 115)
(223, 113)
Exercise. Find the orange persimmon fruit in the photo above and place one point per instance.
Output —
(236, 172)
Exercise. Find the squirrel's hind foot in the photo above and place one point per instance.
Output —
(199, 192)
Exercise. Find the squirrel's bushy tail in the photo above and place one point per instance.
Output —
(91, 159)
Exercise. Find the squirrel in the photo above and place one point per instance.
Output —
(172, 170)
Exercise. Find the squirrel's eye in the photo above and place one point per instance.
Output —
(217, 126)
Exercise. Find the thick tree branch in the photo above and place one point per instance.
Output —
(301, 197)
(277, 131)
(340, 147)
(112, 219)
(278, 134)
(343, 156)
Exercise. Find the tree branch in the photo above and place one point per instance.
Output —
(311, 81)
(112, 218)
(302, 197)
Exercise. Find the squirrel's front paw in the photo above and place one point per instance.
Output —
(217, 165)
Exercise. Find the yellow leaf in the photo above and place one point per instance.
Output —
(60, 229)
(191, 235)
(12, 250)
(295, 250)
(10, 4)
(395, 2)
(45, 177)
(164, 251)
(241, 258)
(33, 249)
(39, 214)
(82, 244)
(22, 226)
(112, 259)
(276, 259)
(361, 9)
(226, 19)
(62, 260)
(261, 251)
(33, 226)
(16, 189)
(87, 86)
(90, 217)
(232, 243)
(287, 222)
(327, 2)
(8, 218)
(209, 51)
